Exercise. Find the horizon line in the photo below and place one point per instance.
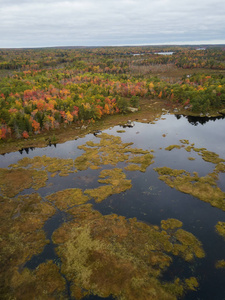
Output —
(221, 43)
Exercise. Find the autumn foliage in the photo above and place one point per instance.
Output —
(54, 87)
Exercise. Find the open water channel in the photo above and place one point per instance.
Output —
(150, 199)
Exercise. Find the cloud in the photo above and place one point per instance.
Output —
(31, 23)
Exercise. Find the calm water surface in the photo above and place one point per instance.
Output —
(151, 200)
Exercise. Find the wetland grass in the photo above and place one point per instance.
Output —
(21, 221)
(112, 255)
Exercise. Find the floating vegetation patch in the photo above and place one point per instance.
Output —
(45, 282)
(203, 188)
(210, 156)
(220, 228)
(141, 163)
(220, 264)
(13, 181)
(171, 147)
(189, 246)
(121, 131)
(54, 165)
(171, 224)
(110, 151)
(116, 183)
(189, 148)
(183, 141)
(220, 168)
(206, 155)
(68, 198)
(21, 222)
(110, 255)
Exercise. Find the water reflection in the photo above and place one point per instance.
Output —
(26, 150)
(199, 120)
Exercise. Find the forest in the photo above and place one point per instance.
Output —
(45, 89)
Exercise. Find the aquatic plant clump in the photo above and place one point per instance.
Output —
(140, 163)
(51, 164)
(206, 155)
(13, 181)
(183, 141)
(220, 264)
(220, 228)
(210, 156)
(21, 222)
(171, 147)
(110, 255)
(68, 198)
(203, 188)
(171, 224)
(189, 246)
(116, 183)
(110, 151)
(45, 282)
(191, 158)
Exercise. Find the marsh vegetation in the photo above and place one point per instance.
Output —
(124, 232)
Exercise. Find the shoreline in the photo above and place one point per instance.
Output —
(149, 111)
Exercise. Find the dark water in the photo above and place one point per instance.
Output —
(151, 200)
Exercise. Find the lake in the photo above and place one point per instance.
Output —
(165, 53)
(138, 187)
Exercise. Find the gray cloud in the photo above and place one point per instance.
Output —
(31, 23)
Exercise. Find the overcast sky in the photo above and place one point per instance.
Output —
(39, 23)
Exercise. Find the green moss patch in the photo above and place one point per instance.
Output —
(110, 255)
